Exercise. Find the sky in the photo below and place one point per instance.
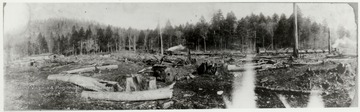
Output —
(148, 15)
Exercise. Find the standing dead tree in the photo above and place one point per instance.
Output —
(146, 32)
(135, 37)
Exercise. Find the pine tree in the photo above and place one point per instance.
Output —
(81, 36)
(43, 47)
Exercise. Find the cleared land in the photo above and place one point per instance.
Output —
(27, 88)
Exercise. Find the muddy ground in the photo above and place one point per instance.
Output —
(27, 88)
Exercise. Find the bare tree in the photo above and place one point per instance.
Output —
(135, 34)
(146, 32)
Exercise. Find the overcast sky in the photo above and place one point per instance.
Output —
(147, 15)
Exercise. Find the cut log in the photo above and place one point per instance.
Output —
(333, 56)
(146, 70)
(301, 64)
(86, 82)
(272, 57)
(89, 69)
(80, 70)
(176, 48)
(235, 68)
(170, 74)
(108, 67)
(162, 93)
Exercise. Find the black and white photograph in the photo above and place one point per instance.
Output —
(179, 55)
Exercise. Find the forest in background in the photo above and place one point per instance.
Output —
(222, 32)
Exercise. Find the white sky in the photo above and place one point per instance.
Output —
(147, 15)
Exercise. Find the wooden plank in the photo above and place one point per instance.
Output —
(162, 93)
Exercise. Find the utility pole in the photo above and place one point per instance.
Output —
(295, 51)
(329, 42)
(161, 41)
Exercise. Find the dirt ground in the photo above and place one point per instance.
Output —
(27, 88)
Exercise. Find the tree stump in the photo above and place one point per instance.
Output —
(152, 83)
(132, 82)
(142, 82)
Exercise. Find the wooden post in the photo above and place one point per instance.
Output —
(295, 51)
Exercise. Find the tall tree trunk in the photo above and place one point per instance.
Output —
(296, 47)
(134, 43)
(263, 41)
(108, 47)
(221, 43)
(116, 47)
(170, 43)
(145, 41)
(150, 44)
(161, 41)
(81, 47)
(204, 43)
(329, 41)
(129, 37)
(272, 42)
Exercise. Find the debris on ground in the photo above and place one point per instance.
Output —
(202, 79)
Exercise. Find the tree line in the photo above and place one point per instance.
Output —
(74, 37)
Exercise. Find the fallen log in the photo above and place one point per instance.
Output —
(282, 89)
(301, 64)
(80, 70)
(89, 69)
(108, 67)
(333, 56)
(235, 68)
(156, 94)
(87, 82)
(272, 57)
(341, 59)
